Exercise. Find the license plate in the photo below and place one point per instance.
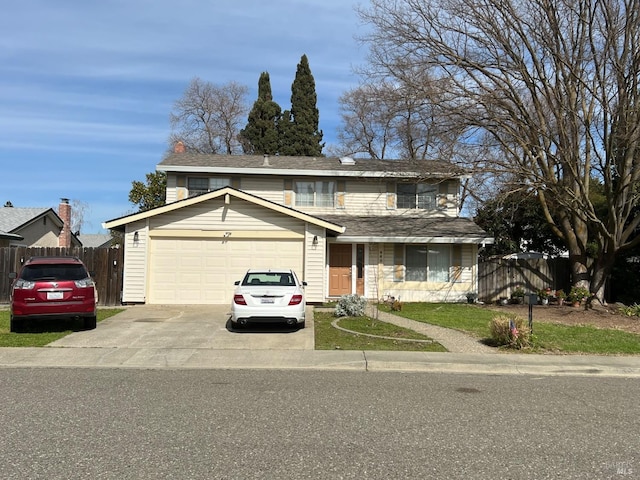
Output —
(55, 295)
(266, 300)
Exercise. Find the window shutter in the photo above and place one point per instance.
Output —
(181, 181)
(391, 196)
(235, 182)
(288, 192)
(456, 263)
(398, 263)
(341, 188)
(443, 190)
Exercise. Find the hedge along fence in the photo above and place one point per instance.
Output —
(105, 264)
(498, 277)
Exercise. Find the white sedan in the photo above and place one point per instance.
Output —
(269, 296)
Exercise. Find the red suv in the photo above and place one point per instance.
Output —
(52, 288)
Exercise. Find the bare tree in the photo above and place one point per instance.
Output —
(208, 117)
(386, 118)
(552, 87)
(366, 122)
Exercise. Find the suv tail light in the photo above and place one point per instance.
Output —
(295, 300)
(21, 284)
(239, 300)
(85, 282)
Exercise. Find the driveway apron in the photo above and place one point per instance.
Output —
(187, 326)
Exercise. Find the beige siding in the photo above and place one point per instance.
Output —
(172, 194)
(135, 263)
(315, 264)
(383, 275)
(360, 197)
(39, 234)
(215, 215)
(271, 189)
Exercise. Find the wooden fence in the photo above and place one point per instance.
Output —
(105, 264)
(498, 277)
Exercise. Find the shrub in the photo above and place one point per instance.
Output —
(510, 331)
(577, 294)
(350, 306)
(630, 311)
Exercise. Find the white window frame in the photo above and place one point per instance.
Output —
(432, 263)
(423, 196)
(212, 183)
(310, 193)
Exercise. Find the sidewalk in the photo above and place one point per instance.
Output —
(364, 361)
(453, 340)
(466, 355)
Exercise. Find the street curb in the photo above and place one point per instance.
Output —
(352, 360)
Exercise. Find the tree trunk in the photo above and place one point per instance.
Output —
(601, 271)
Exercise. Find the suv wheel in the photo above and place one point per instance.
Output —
(15, 325)
(90, 323)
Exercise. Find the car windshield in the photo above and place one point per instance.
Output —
(53, 272)
(269, 279)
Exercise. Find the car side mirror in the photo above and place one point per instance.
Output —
(304, 284)
(237, 282)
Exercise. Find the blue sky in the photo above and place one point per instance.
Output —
(86, 87)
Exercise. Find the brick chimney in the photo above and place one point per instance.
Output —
(179, 147)
(64, 211)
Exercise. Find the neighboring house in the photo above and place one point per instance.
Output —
(375, 228)
(37, 227)
(96, 240)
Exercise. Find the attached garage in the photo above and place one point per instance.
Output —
(203, 271)
(192, 251)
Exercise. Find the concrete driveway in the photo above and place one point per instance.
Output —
(187, 326)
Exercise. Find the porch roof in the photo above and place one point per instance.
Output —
(405, 229)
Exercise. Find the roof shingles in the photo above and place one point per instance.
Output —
(296, 165)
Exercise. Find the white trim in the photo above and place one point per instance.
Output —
(229, 233)
(462, 240)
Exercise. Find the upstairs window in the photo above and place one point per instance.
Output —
(200, 185)
(417, 195)
(314, 194)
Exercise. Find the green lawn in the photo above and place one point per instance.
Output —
(548, 338)
(41, 338)
(330, 338)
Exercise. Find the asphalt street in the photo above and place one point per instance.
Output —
(247, 424)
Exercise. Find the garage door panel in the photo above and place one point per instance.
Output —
(203, 271)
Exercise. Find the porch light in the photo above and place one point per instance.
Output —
(315, 239)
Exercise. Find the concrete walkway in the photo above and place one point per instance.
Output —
(453, 340)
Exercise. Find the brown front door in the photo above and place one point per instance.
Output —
(339, 269)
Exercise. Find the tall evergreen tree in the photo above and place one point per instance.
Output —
(260, 136)
(299, 134)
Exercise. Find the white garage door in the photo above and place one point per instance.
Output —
(202, 271)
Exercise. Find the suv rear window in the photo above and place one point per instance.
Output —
(54, 272)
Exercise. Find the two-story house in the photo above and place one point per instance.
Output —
(376, 228)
